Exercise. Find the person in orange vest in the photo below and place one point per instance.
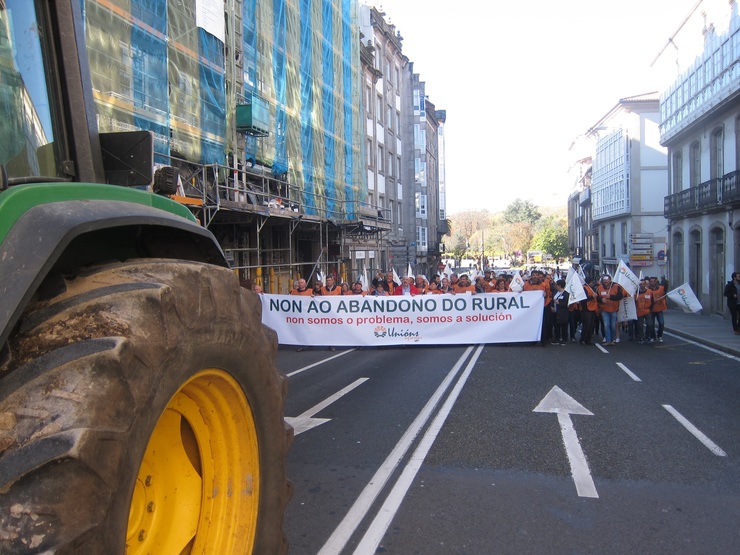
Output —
(609, 294)
(536, 283)
(643, 303)
(660, 305)
(331, 288)
(463, 285)
(301, 288)
(589, 309)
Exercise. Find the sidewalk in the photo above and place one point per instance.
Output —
(709, 330)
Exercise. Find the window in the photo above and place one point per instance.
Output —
(717, 153)
(677, 171)
(369, 99)
(624, 238)
(695, 165)
(421, 206)
(379, 113)
(381, 159)
(421, 238)
(389, 117)
(369, 153)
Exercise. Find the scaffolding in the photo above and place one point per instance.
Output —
(260, 111)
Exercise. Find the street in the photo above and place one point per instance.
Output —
(514, 449)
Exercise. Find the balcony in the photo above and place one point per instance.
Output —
(711, 195)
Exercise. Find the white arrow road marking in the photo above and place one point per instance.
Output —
(708, 443)
(304, 422)
(562, 404)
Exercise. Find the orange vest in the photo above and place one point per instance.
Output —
(336, 291)
(659, 305)
(609, 305)
(643, 302)
(591, 303)
(306, 292)
(544, 287)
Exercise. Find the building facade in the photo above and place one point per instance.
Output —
(616, 210)
(700, 126)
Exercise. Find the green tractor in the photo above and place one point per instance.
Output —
(140, 407)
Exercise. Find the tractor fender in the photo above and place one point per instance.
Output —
(42, 236)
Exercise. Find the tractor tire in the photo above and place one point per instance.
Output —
(141, 412)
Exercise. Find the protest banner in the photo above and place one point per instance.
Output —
(350, 321)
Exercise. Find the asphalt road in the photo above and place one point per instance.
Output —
(514, 449)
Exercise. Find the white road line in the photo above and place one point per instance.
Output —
(708, 443)
(711, 349)
(361, 506)
(374, 535)
(601, 348)
(319, 363)
(629, 372)
(304, 422)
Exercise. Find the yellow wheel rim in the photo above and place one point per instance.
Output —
(198, 485)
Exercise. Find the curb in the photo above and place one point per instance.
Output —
(717, 346)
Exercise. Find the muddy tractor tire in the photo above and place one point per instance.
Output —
(141, 412)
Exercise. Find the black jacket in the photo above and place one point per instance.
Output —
(731, 294)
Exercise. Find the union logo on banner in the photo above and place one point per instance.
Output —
(380, 331)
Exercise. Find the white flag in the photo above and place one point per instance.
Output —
(627, 310)
(363, 279)
(517, 283)
(641, 276)
(684, 297)
(396, 278)
(447, 272)
(409, 272)
(626, 278)
(581, 274)
(574, 287)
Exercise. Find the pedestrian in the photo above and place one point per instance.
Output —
(406, 287)
(536, 283)
(301, 288)
(732, 292)
(560, 312)
(643, 304)
(357, 289)
(589, 309)
(660, 305)
(609, 294)
(331, 288)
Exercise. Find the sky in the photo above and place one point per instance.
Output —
(521, 79)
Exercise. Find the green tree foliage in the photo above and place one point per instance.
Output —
(518, 228)
(552, 240)
(521, 211)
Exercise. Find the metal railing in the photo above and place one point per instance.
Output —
(716, 193)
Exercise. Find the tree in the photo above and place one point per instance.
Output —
(552, 240)
(521, 211)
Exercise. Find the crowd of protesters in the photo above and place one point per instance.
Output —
(562, 321)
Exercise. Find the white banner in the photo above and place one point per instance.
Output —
(684, 297)
(351, 321)
(627, 310)
(626, 278)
